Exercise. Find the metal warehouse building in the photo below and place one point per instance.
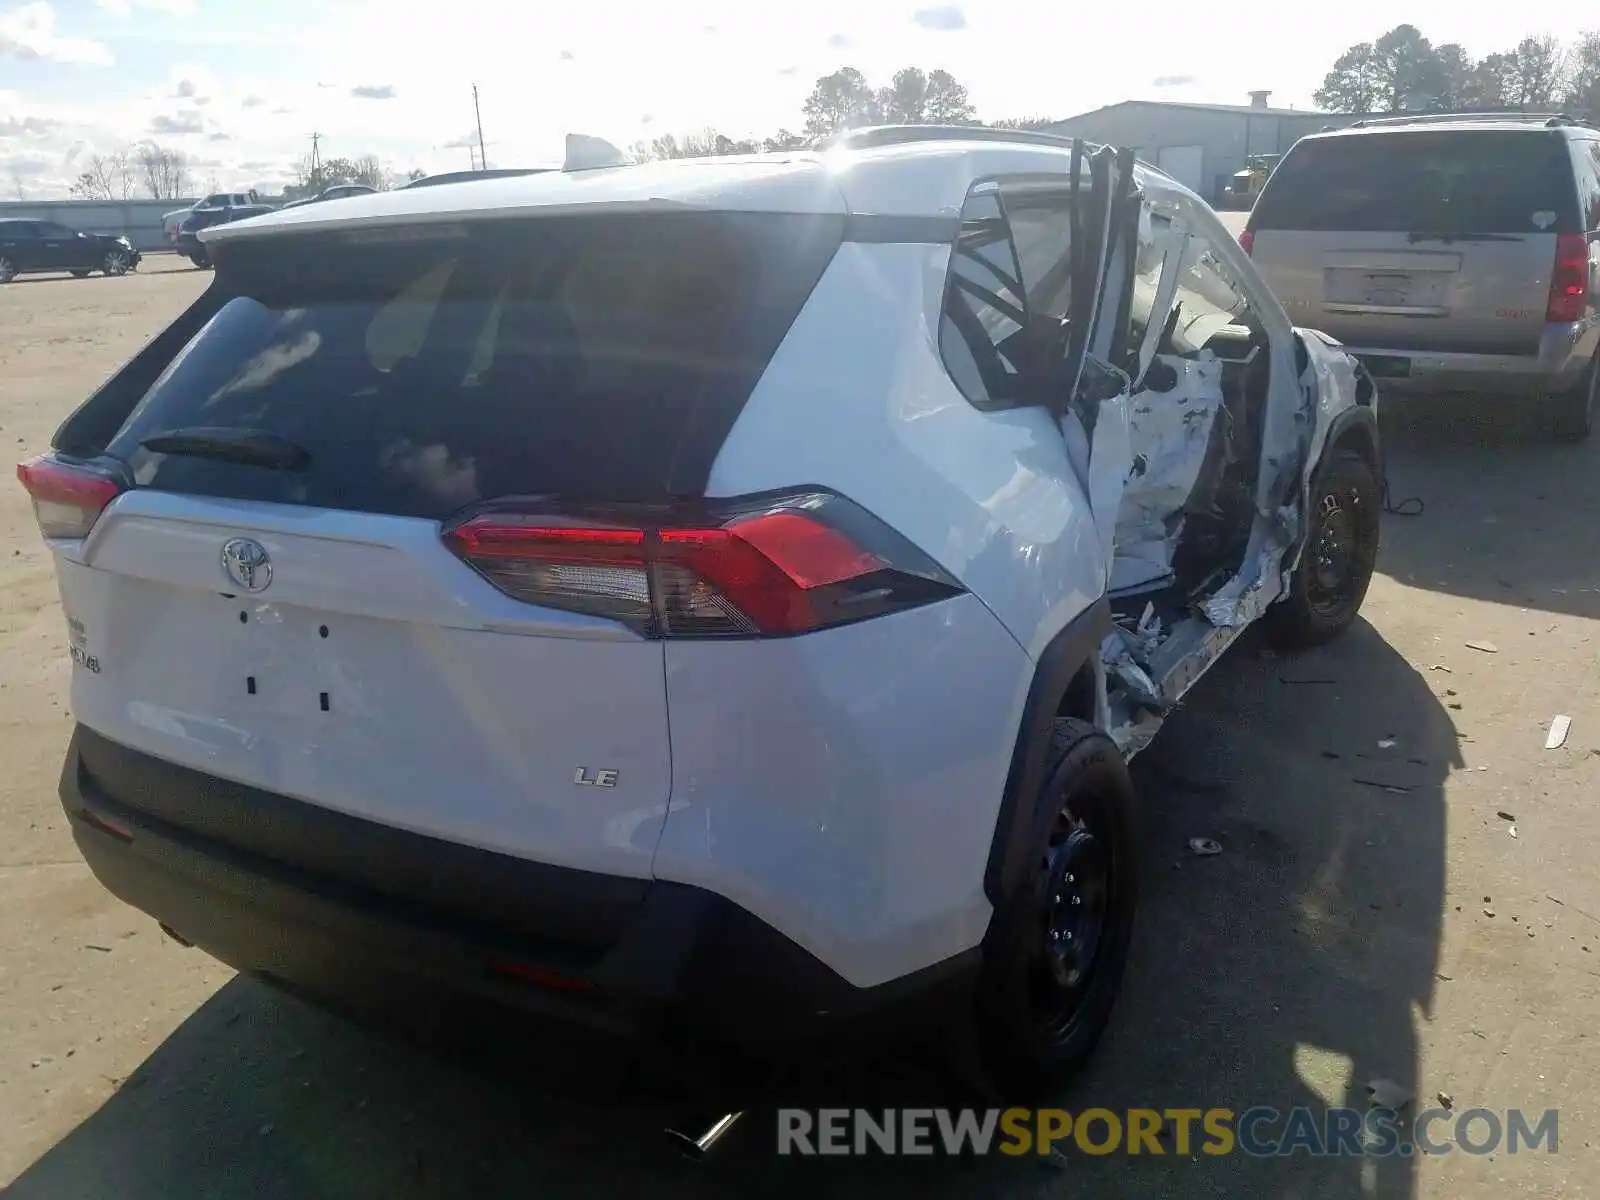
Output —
(1201, 145)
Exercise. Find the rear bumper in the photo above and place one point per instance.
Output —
(1565, 351)
(361, 914)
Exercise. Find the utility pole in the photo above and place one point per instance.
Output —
(483, 157)
(316, 161)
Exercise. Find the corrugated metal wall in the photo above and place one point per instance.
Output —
(137, 220)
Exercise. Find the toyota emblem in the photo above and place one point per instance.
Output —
(247, 564)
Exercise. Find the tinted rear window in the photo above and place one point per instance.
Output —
(601, 357)
(1413, 181)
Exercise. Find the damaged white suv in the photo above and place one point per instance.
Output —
(719, 594)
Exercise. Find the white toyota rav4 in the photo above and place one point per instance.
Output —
(720, 593)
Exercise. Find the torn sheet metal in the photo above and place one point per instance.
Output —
(1168, 432)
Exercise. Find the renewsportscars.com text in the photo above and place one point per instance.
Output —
(1260, 1131)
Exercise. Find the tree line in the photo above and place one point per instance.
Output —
(845, 100)
(162, 173)
(1402, 71)
(148, 167)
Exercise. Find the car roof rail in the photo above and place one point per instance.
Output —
(1545, 118)
(873, 136)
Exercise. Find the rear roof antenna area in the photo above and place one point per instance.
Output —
(586, 153)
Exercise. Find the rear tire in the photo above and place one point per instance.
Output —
(8, 270)
(1574, 408)
(116, 262)
(1055, 953)
(1337, 561)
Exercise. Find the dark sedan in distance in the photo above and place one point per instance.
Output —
(32, 247)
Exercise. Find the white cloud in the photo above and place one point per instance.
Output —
(29, 32)
(126, 8)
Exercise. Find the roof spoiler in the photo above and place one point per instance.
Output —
(585, 153)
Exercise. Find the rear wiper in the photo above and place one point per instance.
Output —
(1447, 238)
(253, 447)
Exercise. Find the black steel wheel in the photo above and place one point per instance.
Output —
(1054, 957)
(1339, 556)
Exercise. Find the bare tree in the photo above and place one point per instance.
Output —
(164, 172)
(17, 183)
(370, 171)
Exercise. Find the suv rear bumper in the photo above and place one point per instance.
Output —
(1565, 352)
(631, 957)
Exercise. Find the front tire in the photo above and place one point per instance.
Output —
(1574, 408)
(1340, 554)
(8, 269)
(1054, 957)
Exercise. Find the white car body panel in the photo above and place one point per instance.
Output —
(433, 723)
(830, 785)
(991, 497)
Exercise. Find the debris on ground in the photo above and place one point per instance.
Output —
(1386, 1093)
(1559, 725)
(265, 1129)
(1440, 667)
(1445, 1100)
(1512, 830)
(1488, 912)
(102, 949)
(1505, 816)
(1386, 743)
(1205, 847)
(1486, 647)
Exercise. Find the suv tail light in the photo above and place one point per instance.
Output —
(68, 498)
(767, 567)
(1569, 279)
(1247, 239)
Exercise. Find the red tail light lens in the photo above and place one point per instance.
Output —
(68, 498)
(766, 569)
(1247, 240)
(1569, 279)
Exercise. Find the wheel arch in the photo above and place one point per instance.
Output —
(1066, 683)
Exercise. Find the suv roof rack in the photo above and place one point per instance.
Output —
(1549, 120)
(874, 136)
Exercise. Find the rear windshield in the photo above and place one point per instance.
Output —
(420, 371)
(1423, 181)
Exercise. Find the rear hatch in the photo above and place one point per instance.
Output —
(1418, 239)
(274, 595)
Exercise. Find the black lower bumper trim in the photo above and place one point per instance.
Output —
(290, 892)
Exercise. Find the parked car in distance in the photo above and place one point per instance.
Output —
(469, 176)
(337, 192)
(657, 599)
(171, 222)
(1449, 253)
(188, 242)
(32, 247)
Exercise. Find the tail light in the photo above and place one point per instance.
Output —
(68, 498)
(1569, 279)
(1247, 240)
(764, 568)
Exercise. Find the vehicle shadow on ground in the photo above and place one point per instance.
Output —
(1510, 512)
(1287, 970)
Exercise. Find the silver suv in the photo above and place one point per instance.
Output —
(1448, 253)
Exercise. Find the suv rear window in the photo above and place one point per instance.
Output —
(1423, 181)
(422, 370)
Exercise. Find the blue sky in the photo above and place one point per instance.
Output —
(240, 86)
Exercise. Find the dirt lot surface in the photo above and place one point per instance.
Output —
(1347, 932)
